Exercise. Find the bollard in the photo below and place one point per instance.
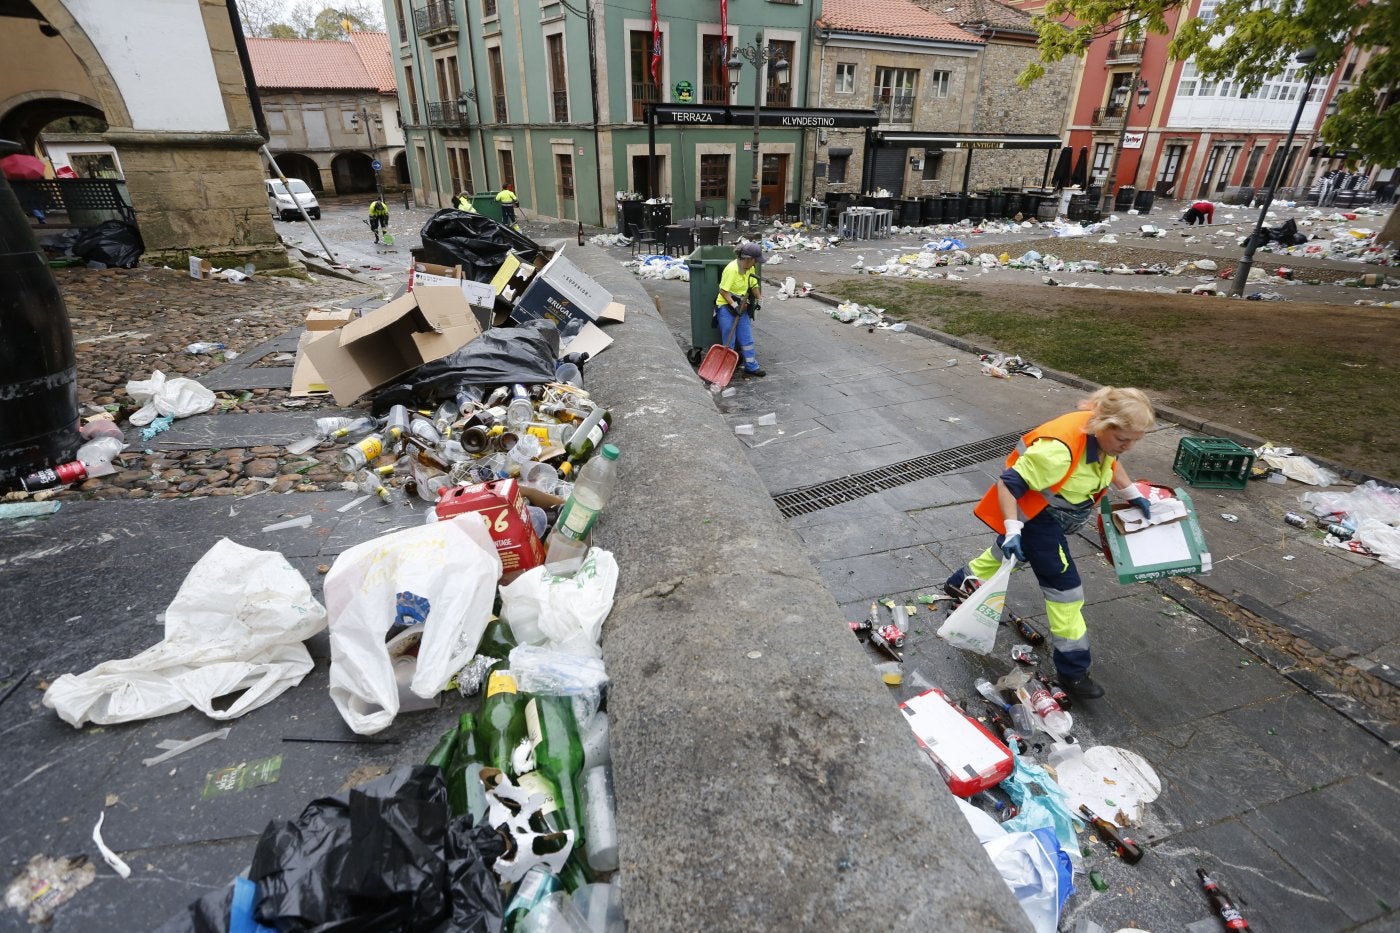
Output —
(38, 368)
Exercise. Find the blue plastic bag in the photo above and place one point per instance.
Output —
(1043, 804)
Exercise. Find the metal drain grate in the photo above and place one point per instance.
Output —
(858, 485)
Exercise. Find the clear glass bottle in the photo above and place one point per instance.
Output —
(520, 411)
(361, 454)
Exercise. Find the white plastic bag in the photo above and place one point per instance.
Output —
(1030, 872)
(537, 669)
(566, 612)
(237, 624)
(443, 575)
(179, 397)
(973, 625)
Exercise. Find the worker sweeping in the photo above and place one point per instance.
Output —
(378, 218)
(506, 197)
(737, 303)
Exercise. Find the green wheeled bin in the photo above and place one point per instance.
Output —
(706, 265)
(487, 206)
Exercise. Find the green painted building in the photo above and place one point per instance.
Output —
(553, 97)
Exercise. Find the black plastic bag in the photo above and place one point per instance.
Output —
(478, 244)
(112, 242)
(501, 356)
(382, 858)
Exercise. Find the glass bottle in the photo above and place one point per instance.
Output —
(519, 412)
(465, 793)
(361, 454)
(396, 426)
(502, 723)
(588, 436)
(441, 755)
(549, 720)
(1122, 846)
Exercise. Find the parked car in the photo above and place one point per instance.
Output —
(280, 202)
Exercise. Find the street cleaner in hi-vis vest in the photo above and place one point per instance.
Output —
(1047, 491)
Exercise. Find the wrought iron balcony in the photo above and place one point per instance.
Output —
(561, 106)
(717, 94)
(445, 113)
(643, 93)
(1111, 114)
(435, 19)
(894, 107)
(1124, 50)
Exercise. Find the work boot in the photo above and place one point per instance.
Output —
(755, 372)
(963, 590)
(1084, 687)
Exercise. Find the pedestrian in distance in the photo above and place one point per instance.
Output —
(507, 198)
(1201, 211)
(737, 303)
(1047, 491)
(463, 202)
(378, 218)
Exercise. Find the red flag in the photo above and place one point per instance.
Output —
(724, 32)
(655, 46)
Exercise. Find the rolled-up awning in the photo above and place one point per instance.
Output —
(909, 139)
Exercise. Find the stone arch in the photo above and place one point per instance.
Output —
(296, 165)
(351, 173)
(401, 168)
(109, 97)
(24, 116)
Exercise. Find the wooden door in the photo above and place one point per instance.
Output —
(773, 182)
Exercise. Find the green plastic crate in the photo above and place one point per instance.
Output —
(1213, 462)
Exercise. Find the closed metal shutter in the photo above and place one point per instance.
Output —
(888, 170)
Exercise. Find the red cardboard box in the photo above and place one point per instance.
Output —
(969, 757)
(502, 508)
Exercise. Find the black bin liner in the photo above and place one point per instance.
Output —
(500, 356)
(112, 242)
(384, 857)
(478, 244)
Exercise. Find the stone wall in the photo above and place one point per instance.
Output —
(1005, 107)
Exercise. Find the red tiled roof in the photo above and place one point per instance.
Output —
(373, 48)
(308, 63)
(890, 18)
(977, 12)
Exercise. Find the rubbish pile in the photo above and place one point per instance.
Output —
(499, 594)
(658, 266)
(1365, 520)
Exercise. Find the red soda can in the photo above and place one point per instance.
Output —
(62, 475)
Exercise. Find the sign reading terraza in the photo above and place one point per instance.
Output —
(814, 118)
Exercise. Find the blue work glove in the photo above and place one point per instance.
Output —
(1142, 503)
(1011, 542)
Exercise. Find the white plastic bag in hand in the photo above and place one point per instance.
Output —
(443, 575)
(159, 396)
(567, 612)
(237, 624)
(973, 625)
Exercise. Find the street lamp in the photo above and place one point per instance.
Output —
(1305, 57)
(1121, 94)
(757, 55)
(362, 115)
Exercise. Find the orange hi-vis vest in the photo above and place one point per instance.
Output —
(1068, 430)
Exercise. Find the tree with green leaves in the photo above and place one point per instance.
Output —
(1249, 41)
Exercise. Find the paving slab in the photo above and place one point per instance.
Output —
(274, 428)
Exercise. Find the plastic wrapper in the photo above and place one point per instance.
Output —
(112, 243)
(1042, 804)
(565, 612)
(177, 398)
(235, 627)
(556, 673)
(478, 244)
(501, 356)
(386, 856)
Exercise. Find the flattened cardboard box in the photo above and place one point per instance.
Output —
(424, 325)
(1173, 549)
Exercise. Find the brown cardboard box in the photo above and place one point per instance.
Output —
(426, 324)
(321, 319)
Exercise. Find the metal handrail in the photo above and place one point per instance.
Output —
(435, 16)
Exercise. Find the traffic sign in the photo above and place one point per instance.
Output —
(375, 165)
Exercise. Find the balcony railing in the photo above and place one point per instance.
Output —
(434, 18)
(779, 95)
(561, 106)
(717, 94)
(1109, 114)
(502, 114)
(445, 113)
(894, 107)
(644, 93)
(1120, 50)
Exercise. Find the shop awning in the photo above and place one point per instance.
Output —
(809, 118)
(909, 139)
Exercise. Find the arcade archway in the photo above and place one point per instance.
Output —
(352, 173)
(296, 165)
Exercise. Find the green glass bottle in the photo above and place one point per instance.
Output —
(549, 819)
(502, 724)
(441, 755)
(558, 754)
(464, 791)
(497, 639)
(537, 884)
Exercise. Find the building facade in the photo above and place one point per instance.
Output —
(1152, 123)
(332, 111)
(164, 77)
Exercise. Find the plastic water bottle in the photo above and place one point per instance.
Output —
(1053, 720)
(600, 820)
(568, 541)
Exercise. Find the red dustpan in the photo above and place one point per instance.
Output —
(718, 365)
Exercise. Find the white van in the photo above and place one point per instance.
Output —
(281, 203)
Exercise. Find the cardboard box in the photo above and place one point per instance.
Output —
(502, 507)
(1169, 550)
(424, 325)
(969, 757)
(201, 268)
(480, 295)
(322, 319)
